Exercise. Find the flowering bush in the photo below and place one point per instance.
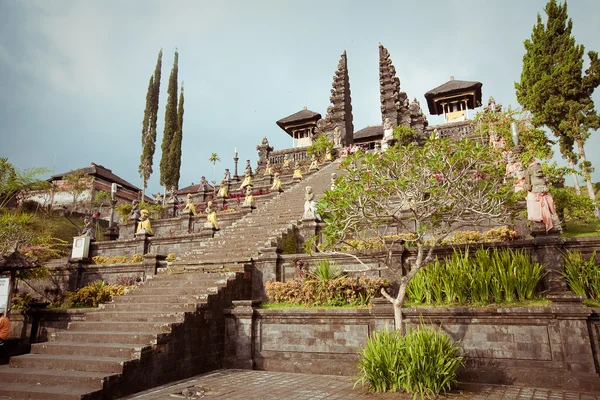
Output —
(335, 292)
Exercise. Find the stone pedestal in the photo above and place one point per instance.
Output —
(144, 242)
(204, 195)
(127, 230)
(308, 229)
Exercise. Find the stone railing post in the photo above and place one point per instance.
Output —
(547, 249)
(186, 221)
(127, 230)
(240, 335)
(265, 269)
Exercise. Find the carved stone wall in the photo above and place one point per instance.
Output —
(339, 114)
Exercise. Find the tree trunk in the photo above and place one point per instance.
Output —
(143, 189)
(398, 302)
(574, 176)
(587, 177)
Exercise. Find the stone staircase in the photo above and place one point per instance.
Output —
(170, 328)
(241, 241)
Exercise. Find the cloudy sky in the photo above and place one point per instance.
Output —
(74, 73)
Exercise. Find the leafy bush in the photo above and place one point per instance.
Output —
(424, 362)
(171, 257)
(404, 135)
(326, 270)
(21, 301)
(136, 258)
(582, 276)
(319, 146)
(94, 294)
(335, 292)
(490, 276)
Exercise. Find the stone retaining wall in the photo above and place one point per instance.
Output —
(540, 346)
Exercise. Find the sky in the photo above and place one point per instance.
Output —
(74, 73)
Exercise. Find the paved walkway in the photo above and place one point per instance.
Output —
(262, 385)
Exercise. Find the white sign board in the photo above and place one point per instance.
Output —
(4, 286)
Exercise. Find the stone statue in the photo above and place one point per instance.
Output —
(268, 169)
(173, 196)
(415, 108)
(297, 171)
(223, 191)
(333, 178)
(144, 226)
(189, 205)
(515, 170)
(337, 137)
(158, 198)
(496, 141)
(263, 152)
(328, 155)
(276, 187)
(540, 204)
(203, 185)
(286, 161)
(248, 168)
(314, 164)
(134, 214)
(310, 204)
(249, 199)
(88, 228)
(247, 179)
(387, 125)
(211, 217)
(436, 134)
(227, 177)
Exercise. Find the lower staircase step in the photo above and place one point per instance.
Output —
(121, 350)
(50, 377)
(72, 363)
(28, 391)
(140, 338)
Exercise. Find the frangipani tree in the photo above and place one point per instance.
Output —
(418, 193)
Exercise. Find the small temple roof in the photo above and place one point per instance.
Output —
(300, 116)
(453, 87)
(193, 189)
(16, 260)
(100, 172)
(368, 132)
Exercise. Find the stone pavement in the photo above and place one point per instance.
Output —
(259, 385)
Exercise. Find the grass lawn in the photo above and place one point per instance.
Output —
(581, 229)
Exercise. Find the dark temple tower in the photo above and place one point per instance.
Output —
(394, 103)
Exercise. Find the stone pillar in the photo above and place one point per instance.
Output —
(548, 252)
(186, 221)
(143, 244)
(239, 335)
(382, 314)
(127, 230)
(308, 229)
(150, 263)
(265, 269)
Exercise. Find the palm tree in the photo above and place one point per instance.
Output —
(214, 157)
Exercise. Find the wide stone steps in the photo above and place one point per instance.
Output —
(182, 284)
(68, 362)
(163, 298)
(208, 287)
(119, 350)
(151, 305)
(19, 391)
(107, 326)
(136, 316)
(134, 338)
(50, 377)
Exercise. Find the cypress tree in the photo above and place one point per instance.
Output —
(166, 175)
(175, 151)
(149, 125)
(554, 88)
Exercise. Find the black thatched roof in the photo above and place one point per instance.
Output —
(100, 172)
(301, 116)
(454, 87)
(16, 260)
(370, 132)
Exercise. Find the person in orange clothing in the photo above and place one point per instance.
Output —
(4, 327)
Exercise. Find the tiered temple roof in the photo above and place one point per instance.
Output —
(394, 103)
(454, 97)
(339, 114)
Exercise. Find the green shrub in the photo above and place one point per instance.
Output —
(582, 276)
(171, 257)
(498, 276)
(95, 293)
(21, 301)
(424, 362)
(325, 271)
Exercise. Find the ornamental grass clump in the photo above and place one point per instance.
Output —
(423, 362)
(582, 276)
(488, 276)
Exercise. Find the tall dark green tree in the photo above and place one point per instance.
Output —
(175, 150)
(149, 125)
(555, 89)
(166, 170)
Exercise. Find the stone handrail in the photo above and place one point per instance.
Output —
(295, 154)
